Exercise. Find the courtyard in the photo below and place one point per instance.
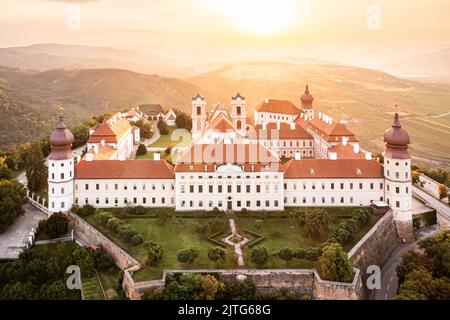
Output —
(275, 231)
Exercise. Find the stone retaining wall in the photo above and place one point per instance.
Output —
(268, 283)
(92, 236)
(376, 246)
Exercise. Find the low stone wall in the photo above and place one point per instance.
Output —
(376, 246)
(88, 234)
(268, 283)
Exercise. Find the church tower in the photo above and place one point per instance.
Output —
(238, 114)
(198, 116)
(397, 173)
(60, 169)
(307, 104)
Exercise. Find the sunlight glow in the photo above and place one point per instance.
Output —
(259, 17)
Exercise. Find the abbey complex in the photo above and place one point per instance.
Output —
(285, 156)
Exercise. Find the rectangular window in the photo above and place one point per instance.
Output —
(116, 186)
(62, 205)
(351, 199)
(191, 189)
(62, 175)
(200, 189)
(97, 186)
(116, 201)
(125, 187)
(276, 203)
(97, 200)
(210, 187)
(371, 186)
(258, 189)
(360, 186)
(86, 186)
(153, 200)
(144, 200)
(238, 189)
(229, 188)
(397, 190)
(332, 186)
(219, 188)
(397, 204)
(106, 200)
(247, 187)
(163, 200)
(342, 186)
(238, 203)
(247, 203)
(200, 204)
(210, 204)
(351, 186)
(135, 200)
(258, 203)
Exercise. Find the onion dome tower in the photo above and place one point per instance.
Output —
(307, 103)
(60, 168)
(398, 182)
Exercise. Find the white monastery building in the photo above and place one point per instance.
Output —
(234, 163)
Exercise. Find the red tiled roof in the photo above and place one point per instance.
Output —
(278, 106)
(228, 153)
(329, 131)
(285, 132)
(325, 168)
(346, 152)
(127, 169)
(198, 167)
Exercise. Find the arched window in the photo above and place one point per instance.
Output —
(239, 124)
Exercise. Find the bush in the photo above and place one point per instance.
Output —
(104, 216)
(55, 226)
(86, 210)
(259, 255)
(163, 128)
(137, 240)
(140, 210)
(154, 253)
(188, 255)
(114, 223)
(334, 264)
(103, 261)
(286, 254)
(216, 253)
(164, 216)
(141, 150)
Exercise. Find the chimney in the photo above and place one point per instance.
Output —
(320, 115)
(102, 143)
(344, 141)
(266, 100)
(333, 156)
(298, 155)
(368, 156)
(253, 167)
(356, 147)
(278, 126)
(206, 168)
(331, 120)
(156, 156)
(292, 125)
(95, 148)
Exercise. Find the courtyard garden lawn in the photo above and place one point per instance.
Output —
(148, 156)
(165, 141)
(179, 233)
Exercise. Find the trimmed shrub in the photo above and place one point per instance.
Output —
(55, 226)
(141, 150)
(104, 216)
(114, 223)
(154, 252)
(286, 254)
(188, 255)
(259, 255)
(216, 253)
(137, 240)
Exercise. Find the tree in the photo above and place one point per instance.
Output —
(102, 260)
(379, 157)
(188, 255)
(286, 254)
(12, 199)
(442, 190)
(5, 172)
(334, 264)
(183, 120)
(315, 222)
(141, 150)
(163, 128)
(35, 169)
(85, 210)
(85, 260)
(154, 253)
(145, 128)
(216, 253)
(259, 255)
(210, 286)
(55, 226)
(415, 175)
(164, 216)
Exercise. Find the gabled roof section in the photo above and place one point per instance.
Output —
(278, 106)
(127, 169)
(325, 168)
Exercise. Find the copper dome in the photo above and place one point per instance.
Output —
(396, 136)
(61, 141)
(306, 98)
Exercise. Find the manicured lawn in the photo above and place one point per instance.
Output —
(92, 289)
(165, 141)
(148, 156)
(172, 236)
(180, 233)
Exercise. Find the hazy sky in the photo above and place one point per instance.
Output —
(165, 23)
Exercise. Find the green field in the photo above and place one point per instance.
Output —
(165, 141)
(180, 233)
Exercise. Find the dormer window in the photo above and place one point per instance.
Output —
(358, 172)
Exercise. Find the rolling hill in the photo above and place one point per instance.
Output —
(31, 99)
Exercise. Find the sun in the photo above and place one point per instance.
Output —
(259, 17)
